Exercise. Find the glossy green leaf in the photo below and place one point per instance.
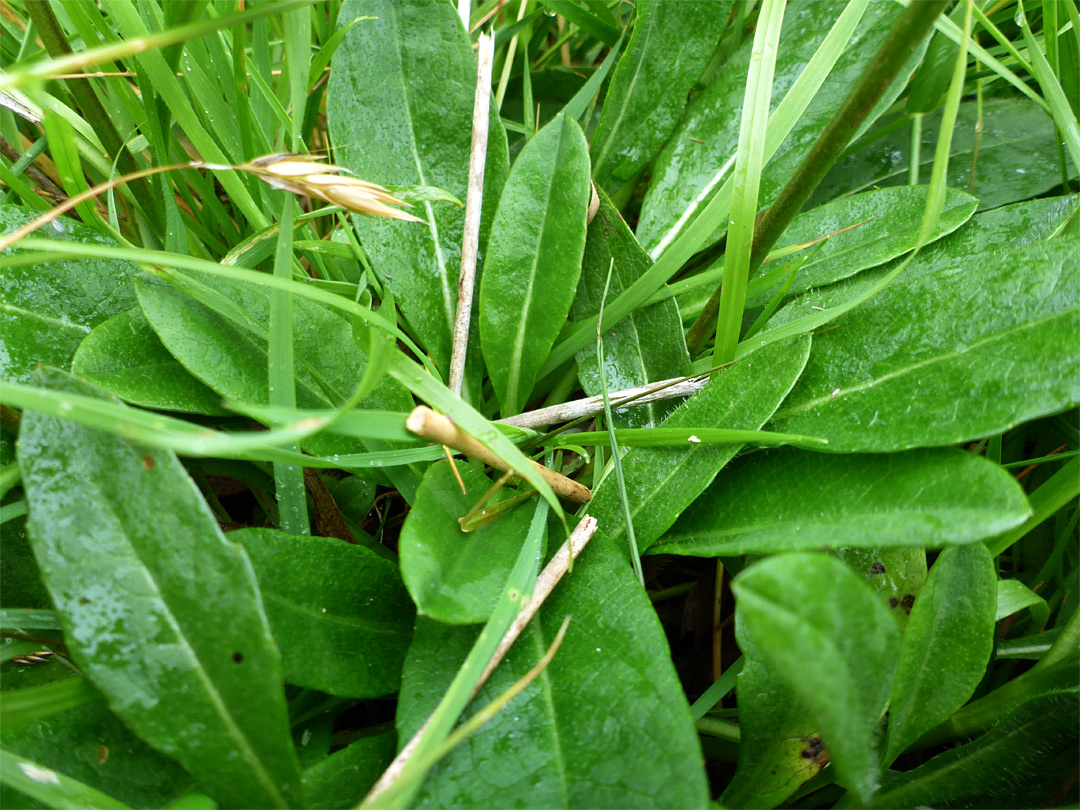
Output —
(47, 309)
(621, 736)
(54, 788)
(648, 345)
(779, 744)
(686, 177)
(829, 638)
(1013, 596)
(946, 646)
(163, 615)
(345, 776)
(789, 500)
(453, 576)
(896, 575)
(979, 352)
(662, 481)
(92, 745)
(1017, 158)
(126, 358)
(400, 109)
(346, 602)
(890, 219)
(669, 49)
(534, 259)
(994, 765)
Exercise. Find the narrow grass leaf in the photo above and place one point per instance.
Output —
(50, 787)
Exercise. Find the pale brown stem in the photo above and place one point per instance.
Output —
(439, 429)
(470, 242)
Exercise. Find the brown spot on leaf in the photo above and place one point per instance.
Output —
(907, 603)
(893, 601)
(877, 568)
(102, 754)
(148, 463)
(815, 749)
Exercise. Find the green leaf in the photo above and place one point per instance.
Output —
(662, 481)
(669, 49)
(1013, 596)
(453, 576)
(92, 745)
(346, 775)
(400, 109)
(163, 615)
(1017, 157)
(37, 702)
(896, 575)
(53, 788)
(648, 345)
(829, 638)
(688, 172)
(996, 763)
(779, 744)
(787, 500)
(620, 737)
(979, 353)
(338, 612)
(47, 309)
(946, 645)
(895, 217)
(534, 259)
(126, 358)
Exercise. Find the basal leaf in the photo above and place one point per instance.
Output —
(534, 259)
(160, 611)
(789, 500)
(47, 309)
(1017, 158)
(662, 481)
(646, 346)
(338, 612)
(946, 645)
(829, 638)
(619, 735)
(126, 358)
(896, 575)
(670, 46)
(988, 771)
(453, 576)
(957, 354)
(345, 776)
(400, 108)
(685, 175)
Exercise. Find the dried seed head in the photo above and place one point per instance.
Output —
(301, 174)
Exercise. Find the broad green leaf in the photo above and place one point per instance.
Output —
(1017, 158)
(978, 352)
(345, 776)
(890, 219)
(686, 177)
(163, 615)
(534, 259)
(896, 575)
(232, 359)
(92, 745)
(996, 765)
(1013, 596)
(400, 109)
(453, 576)
(648, 345)
(829, 638)
(662, 481)
(47, 309)
(54, 788)
(779, 744)
(126, 358)
(669, 49)
(788, 500)
(619, 736)
(338, 612)
(946, 646)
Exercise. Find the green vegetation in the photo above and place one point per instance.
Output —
(298, 511)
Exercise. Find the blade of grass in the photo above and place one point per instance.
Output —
(51, 788)
(288, 478)
(675, 437)
(746, 181)
(616, 458)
